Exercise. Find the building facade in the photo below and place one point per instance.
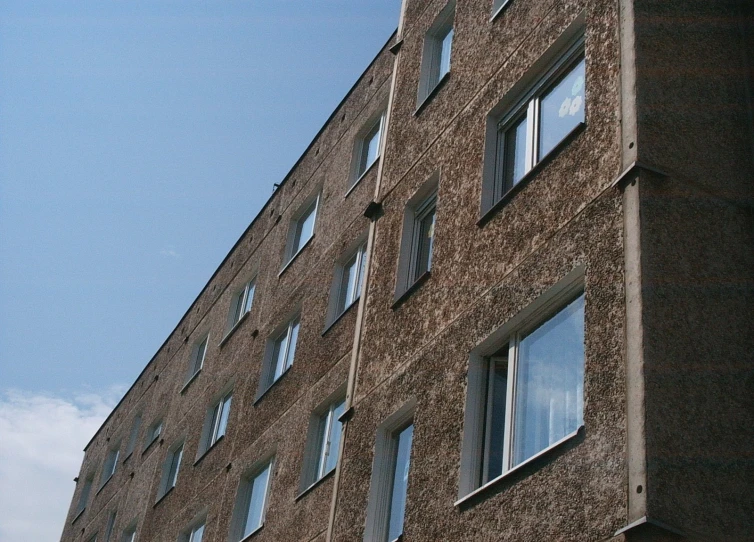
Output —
(507, 293)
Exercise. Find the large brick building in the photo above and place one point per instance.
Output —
(507, 293)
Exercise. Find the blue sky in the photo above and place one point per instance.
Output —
(137, 141)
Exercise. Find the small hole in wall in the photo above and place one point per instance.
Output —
(272, 212)
(631, 145)
(293, 184)
(316, 153)
(371, 80)
(639, 489)
(343, 117)
(278, 219)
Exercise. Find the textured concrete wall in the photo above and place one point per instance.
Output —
(695, 124)
(481, 276)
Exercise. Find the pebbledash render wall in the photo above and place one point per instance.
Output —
(645, 207)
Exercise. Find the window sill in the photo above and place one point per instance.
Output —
(499, 10)
(432, 93)
(292, 258)
(128, 456)
(341, 315)
(104, 484)
(268, 388)
(149, 446)
(363, 174)
(252, 533)
(78, 515)
(162, 497)
(189, 382)
(316, 484)
(515, 189)
(401, 298)
(534, 461)
(233, 329)
(206, 452)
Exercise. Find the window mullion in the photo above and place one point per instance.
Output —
(509, 402)
(532, 129)
(488, 421)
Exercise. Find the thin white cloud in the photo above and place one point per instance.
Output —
(169, 253)
(41, 442)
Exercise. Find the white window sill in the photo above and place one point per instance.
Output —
(189, 382)
(206, 452)
(233, 329)
(363, 174)
(311, 487)
(252, 533)
(499, 10)
(292, 258)
(341, 315)
(518, 467)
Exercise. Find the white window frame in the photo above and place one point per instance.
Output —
(154, 432)
(243, 498)
(497, 7)
(241, 304)
(319, 445)
(216, 421)
(563, 56)
(129, 534)
(84, 495)
(421, 205)
(296, 243)
(272, 369)
(110, 525)
(133, 436)
(373, 129)
(170, 468)
(190, 534)
(435, 65)
(475, 453)
(110, 465)
(383, 472)
(198, 355)
(355, 259)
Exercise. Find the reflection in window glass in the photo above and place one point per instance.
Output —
(561, 109)
(549, 396)
(400, 482)
(257, 497)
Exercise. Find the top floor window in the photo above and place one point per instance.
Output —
(241, 303)
(436, 55)
(302, 228)
(368, 147)
(530, 130)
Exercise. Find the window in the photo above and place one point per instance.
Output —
(387, 497)
(418, 237)
(302, 228)
(251, 502)
(280, 353)
(198, 352)
(323, 443)
(110, 526)
(552, 109)
(368, 147)
(170, 469)
(133, 437)
(241, 304)
(153, 433)
(111, 463)
(92, 538)
(129, 535)
(497, 6)
(527, 394)
(349, 275)
(195, 534)
(217, 422)
(436, 56)
(84, 495)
